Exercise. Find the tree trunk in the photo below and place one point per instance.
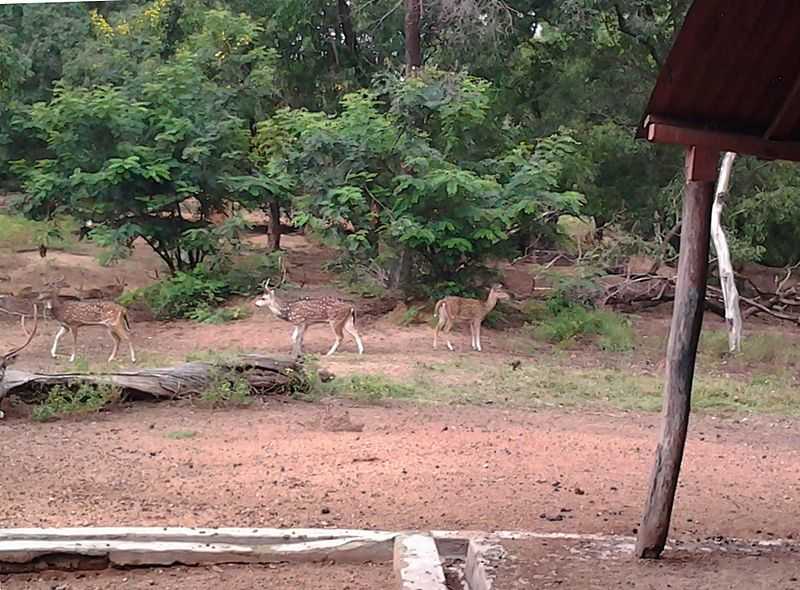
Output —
(413, 36)
(274, 225)
(346, 24)
(687, 321)
(265, 375)
(733, 313)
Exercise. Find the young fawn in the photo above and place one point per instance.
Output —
(341, 317)
(72, 315)
(461, 309)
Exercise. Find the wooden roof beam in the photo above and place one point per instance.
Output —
(787, 114)
(661, 130)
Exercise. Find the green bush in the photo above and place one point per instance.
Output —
(85, 399)
(227, 388)
(580, 291)
(609, 330)
(196, 294)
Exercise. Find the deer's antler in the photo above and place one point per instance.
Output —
(9, 356)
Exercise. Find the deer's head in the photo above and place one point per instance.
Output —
(499, 292)
(50, 292)
(267, 299)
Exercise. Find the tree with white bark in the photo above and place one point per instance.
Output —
(733, 314)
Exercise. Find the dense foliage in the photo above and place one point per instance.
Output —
(148, 117)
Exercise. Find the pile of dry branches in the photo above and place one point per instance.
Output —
(637, 292)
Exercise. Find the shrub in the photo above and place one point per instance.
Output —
(611, 331)
(196, 294)
(84, 399)
(583, 291)
(227, 388)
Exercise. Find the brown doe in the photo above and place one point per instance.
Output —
(72, 315)
(340, 315)
(460, 309)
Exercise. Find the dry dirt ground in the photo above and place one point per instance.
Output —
(547, 564)
(412, 466)
(276, 577)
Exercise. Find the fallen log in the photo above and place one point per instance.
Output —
(265, 375)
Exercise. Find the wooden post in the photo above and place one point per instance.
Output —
(687, 320)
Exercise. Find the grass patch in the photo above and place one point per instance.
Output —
(220, 315)
(774, 350)
(65, 401)
(542, 385)
(18, 233)
(181, 434)
(370, 388)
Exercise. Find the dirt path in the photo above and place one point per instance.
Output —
(468, 468)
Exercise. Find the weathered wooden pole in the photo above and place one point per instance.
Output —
(687, 320)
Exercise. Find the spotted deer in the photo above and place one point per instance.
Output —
(340, 315)
(72, 315)
(460, 309)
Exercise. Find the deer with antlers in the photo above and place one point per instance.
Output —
(340, 315)
(460, 309)
(17, 307)
(7, 358)
(72, 315)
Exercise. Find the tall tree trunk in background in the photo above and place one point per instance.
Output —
(413, 36)
(346, 24)
(733, 313)
(274, 228)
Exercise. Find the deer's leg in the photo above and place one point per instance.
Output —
(74, 332)
(448, 326)
(336, 326)
(112, 332)
(295, 332)
(127, 337)
(350, 328)
(297, 347)
(439, 324)
(61, 331)
(478, 337)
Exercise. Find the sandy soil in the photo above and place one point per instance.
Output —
(585, 566)
(275, 577)
(410, 468)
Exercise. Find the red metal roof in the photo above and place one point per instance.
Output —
(735, 69)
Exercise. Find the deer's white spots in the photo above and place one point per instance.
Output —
(340, 315)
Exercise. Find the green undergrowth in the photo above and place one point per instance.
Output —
(532, 384)
(199, 294)
(226, 388)
(63, 401)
